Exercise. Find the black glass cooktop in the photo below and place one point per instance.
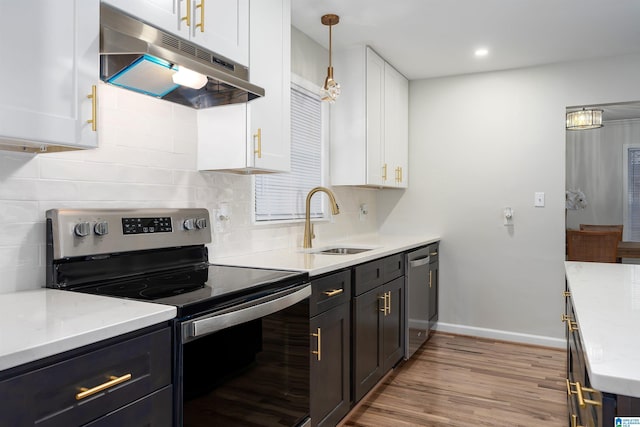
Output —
(201, 288)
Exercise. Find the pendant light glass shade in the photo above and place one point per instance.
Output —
(331, 89)
(584, 119)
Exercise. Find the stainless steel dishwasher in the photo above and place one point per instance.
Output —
(417, 294)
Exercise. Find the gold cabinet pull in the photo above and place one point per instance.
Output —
(433, 253)
(333, 292)
(579, 392)
(187, 18)
(258, 138)
(401, 174)
(93, 96)
(430, 276)
(318, 352)
(201, 24)
(574, 421)
(566, 294)
(113, 381)
(384, 172)
(564, 318)
(384, 299)
(389, 303)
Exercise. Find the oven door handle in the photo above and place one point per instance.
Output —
(260, 308)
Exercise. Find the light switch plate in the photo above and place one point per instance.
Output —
(539, 199)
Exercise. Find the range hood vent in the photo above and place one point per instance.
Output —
(142, 58)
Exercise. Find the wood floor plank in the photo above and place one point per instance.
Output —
(465, 381)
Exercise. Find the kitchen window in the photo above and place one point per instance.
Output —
(281, 196)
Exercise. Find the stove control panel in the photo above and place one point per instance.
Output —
(146, 225)
(107, 231)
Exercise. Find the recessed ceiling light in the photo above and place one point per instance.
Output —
(481, 52)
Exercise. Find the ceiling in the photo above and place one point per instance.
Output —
(431, 38)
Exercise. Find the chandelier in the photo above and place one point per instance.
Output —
(331, 89)
(584, 119)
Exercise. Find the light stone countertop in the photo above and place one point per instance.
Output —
(299, 259)
(43, 322)
(606, 299)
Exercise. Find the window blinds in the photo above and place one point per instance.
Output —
(634, 194)
(282, 196)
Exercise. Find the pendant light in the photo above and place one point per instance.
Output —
(584, 119)
(331, 89)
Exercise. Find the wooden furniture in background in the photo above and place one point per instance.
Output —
(593, 246)
(628, 249)
(598, 227)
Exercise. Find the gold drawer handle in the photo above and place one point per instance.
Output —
(93, 96)
(384, 172)
(187, 18)
(573, 326)
(566, 294)
(433, 253)
(574, 421)
(580, 395)
(564, 318)
(201, 24)
(333, 292)
(114, 381)
(318, 352)
(258, 137)
(430, 271)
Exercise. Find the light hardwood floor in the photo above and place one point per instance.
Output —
(464, 381)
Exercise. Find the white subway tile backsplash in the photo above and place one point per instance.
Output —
(146, 158)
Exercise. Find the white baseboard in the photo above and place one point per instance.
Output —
(497, 334)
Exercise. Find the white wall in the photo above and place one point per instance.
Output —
(595, 166)
(146, 158)
(479, 143)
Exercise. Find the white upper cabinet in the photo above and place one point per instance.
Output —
(221, 26)
(50, 65)
(369, 122)
(255, 137)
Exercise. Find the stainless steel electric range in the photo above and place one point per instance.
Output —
(241, 335)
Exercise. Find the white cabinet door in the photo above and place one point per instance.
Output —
(256, 136)
(396, 128)
(168, 15)
(222, 26)
(369, 122)
(50, 62)
(377, 169)
(270, 67)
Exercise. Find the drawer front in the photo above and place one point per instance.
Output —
(50, 396)
(154, 410)
(392, 267)
(330, 291)
(368, 276)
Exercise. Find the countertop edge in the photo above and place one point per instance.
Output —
(599, 378)
(296, 259)
(134, 319)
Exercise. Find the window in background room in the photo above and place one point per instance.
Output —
(631, 178)
(281, 197)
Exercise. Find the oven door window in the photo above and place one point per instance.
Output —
(253, 374)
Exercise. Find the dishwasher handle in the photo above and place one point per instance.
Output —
(259, 308)
(420, 261)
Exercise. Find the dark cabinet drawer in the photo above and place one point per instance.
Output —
(330, 291)
(153, 410)
(373, 274)
(51, 396)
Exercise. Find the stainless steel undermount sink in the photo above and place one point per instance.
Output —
(338, 250)
(343, 251)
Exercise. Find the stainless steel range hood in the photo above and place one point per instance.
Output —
(139, 57)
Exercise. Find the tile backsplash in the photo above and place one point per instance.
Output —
(146, 158)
